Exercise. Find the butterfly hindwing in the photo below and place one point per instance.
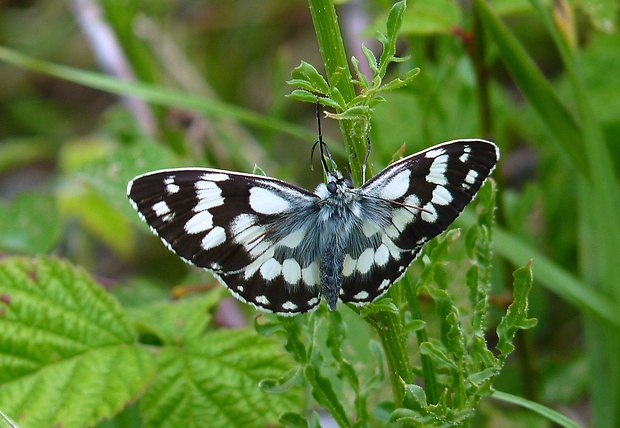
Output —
(237, 226)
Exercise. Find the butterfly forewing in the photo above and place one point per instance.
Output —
(279, 247)
(232, 225)
(426, 191)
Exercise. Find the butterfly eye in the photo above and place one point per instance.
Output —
(331, 187)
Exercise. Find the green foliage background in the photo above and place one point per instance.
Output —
(204, 84)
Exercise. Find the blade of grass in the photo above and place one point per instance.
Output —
(548, 413)
(155, 94)
(568, 131)
(599, 246)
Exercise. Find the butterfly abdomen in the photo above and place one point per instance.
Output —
(331, 263)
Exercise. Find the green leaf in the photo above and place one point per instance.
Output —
(293, 377)
(214, 382)
(293, 420)
(307, 77)
(324, 393)
(303, 96)
(67, 353)
(29, 224)
(176, 322)
(257, 170)
(108, 167)
(438, 356)
(393, 24)
(97, 195)
(382, 305)
(399, 83)
(358, 112)
(516, 316)
(416, 394)
(99, 217)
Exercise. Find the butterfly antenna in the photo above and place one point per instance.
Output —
(323, 148)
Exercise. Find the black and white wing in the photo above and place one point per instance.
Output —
(245, 229)
(423, 194)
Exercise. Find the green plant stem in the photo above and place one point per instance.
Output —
(339, 76)
(388, 325)
(390, 330)
(482, 78)
(428, 369)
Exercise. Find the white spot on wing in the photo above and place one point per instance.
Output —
(429, 214)
(397, 186)
(209, 195)
(172, 188)
(365, 260)
(465, 156)
(263, 300)
(293, 239)
(270, 269)
(412, 201)
(384, 284)
(437, 172)
(161, 208)
(215, 237)
(256, 248)
(382, 255)
(361, 296)
(289, 306)
(348, 266)
(313, 302)
(391, 231)
(471, 176)
(215, 176)
(432, 154)
(369, 228)
(441, 196)
(394, 250)
(291, 271)
(200, 222)
(240, 224)
(400, 218)
(251, 269)
(266, 201)
(310, 274)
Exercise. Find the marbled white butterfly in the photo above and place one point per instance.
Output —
(280, 247)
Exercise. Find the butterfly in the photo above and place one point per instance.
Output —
(281, 248)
